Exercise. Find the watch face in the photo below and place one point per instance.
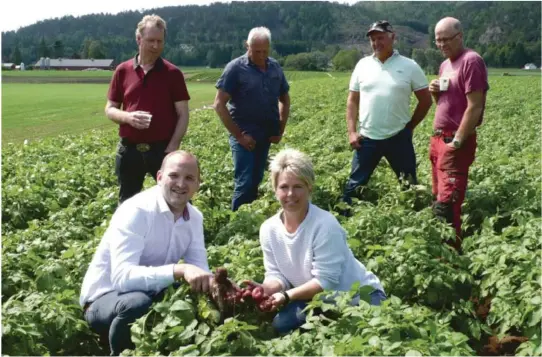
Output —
(456, 144)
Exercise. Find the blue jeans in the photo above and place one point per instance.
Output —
(292, 316)
(249, 168)
(398, 150)
(112, 314)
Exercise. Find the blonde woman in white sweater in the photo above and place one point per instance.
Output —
(304, 247)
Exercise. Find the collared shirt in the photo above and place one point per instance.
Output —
(384, 93)
(155, 92)
(141, 246)
(254, 95)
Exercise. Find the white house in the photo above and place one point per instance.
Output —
(529, 66)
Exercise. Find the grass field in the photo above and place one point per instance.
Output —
(94, 74)
(31, 111)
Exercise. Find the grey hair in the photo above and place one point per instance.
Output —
(259, 32)
(154, 20)
(292, 161)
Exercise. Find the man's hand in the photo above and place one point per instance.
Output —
(355, 140)
(250, 283)
(138, 119)
(451, 146)
(247, 141)
(434, 86)
(199, 279)
(275, 139)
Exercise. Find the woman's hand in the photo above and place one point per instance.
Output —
(277, 299)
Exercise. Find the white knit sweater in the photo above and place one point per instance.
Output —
(317, 250)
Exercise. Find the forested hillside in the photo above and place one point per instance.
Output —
(507, 34)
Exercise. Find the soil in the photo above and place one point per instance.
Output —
(482, 309)
(505, 347)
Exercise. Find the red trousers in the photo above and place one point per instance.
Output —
(450, 168)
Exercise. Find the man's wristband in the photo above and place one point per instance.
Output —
(286, 297)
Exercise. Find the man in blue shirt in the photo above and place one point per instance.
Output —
(253, 103)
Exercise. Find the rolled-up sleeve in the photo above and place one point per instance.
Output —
(270, 264)
(126, 236)
(329, 257)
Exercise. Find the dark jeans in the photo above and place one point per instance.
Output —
(249, 169)
(131, 166)
(398, 150)
(292, 315)
(111, 315)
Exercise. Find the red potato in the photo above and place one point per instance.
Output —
(257, 294)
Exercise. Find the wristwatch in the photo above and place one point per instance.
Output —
(286, 297)
(456, 143)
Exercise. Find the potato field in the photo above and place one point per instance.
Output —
(59, 193)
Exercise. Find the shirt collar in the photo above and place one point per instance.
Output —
(247, 61)
(394, 54)
(163, 206)
(159, 64)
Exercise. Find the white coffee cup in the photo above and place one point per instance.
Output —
(443, 83)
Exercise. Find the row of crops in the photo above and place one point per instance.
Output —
(59, 194)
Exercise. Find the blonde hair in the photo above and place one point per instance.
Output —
(153, 20)
(292, 161)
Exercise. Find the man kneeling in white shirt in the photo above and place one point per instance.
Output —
(138, 255)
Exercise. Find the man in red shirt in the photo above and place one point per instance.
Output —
(148, 98)
(460, 94)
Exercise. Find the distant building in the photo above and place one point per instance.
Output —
(69, 64)
(8, 65)
(529, 66)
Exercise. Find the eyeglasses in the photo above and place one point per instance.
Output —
(442, 41)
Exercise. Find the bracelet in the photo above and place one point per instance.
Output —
(286, 297)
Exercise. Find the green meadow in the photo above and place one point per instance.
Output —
(31, 111)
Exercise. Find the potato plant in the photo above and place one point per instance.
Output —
(58, 195)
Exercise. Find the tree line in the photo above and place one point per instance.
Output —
(306, 35)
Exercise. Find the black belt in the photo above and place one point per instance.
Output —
(141, 147)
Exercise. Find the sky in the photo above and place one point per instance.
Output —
(13, 15)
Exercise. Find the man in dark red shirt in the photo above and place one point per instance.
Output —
(460, 94)
(148, 98)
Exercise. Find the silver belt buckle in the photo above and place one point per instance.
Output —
(143, 147)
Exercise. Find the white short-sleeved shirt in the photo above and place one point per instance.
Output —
(384, 93)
